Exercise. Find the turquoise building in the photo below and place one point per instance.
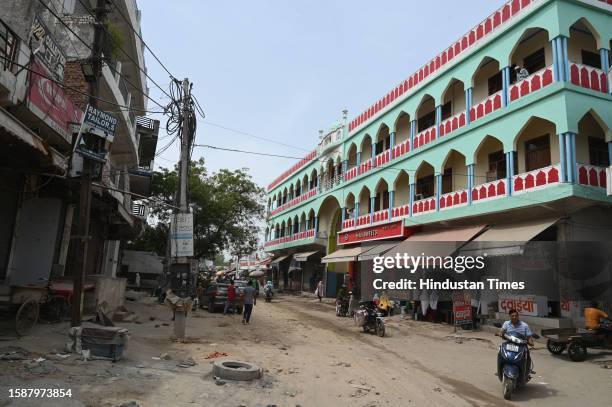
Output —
(509, 125)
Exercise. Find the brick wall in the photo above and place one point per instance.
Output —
(73, 77)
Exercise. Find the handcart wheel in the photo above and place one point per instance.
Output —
(55, 310)
(26, 318)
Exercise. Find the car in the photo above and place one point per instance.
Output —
(216, 294)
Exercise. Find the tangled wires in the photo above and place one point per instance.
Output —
(174, 125)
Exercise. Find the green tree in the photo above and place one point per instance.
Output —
(227, 207)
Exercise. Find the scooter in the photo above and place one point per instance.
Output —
(369, 317)
(342, 306)
(268, 294)
(513, 362)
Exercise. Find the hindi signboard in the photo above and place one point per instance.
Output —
(181, 235)
(462, 308)
(533, 305)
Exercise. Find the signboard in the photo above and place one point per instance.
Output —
(462, 308)
(533, 305)
(386, 231)
(47, 50)
(181, 235)
(49, 102)
(99, 122)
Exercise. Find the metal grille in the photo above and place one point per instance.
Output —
(145, 122)
(8, 47)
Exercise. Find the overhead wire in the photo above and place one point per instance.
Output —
(140, 38)
(124, 51)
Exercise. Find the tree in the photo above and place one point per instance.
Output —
(227, 206)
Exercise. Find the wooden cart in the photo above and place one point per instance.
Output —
(29, 303)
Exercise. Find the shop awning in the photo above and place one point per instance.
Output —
(377, 250)
(18, 130)
(501, 240)
(342, 255)
(436, 243)
(304, 256)
(279, 259)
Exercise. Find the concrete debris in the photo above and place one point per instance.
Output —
(13, 353)
(189, 362)
(41, 368)
(165, 356)
(132, 295)
(129, 404)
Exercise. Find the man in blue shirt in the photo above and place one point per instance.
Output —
(518, 326)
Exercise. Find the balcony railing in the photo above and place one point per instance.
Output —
(424, 205)
(532, 83)
(486, 106)
(454, 199)
(536, 179)
(588, 77)
(452, 123)
(291, 238)
(305, 196)
(426, 136)
(400, 149)
(382, 158)
(489, 190)
(592, 175)
(329, 183)
(381, 216)
(8, 47)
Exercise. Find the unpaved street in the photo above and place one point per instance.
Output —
(310, 358)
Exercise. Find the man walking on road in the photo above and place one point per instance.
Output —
(231, 298)
(249, 301)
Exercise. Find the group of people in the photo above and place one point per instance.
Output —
(248, 296)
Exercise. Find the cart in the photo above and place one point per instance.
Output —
(575, 340)
(31, 303)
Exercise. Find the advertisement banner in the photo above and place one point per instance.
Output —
(386, 231)
(49, 102)
(181, 235)
(46, 50)
(462, 308)
(99, 122)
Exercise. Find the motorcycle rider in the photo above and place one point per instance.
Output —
(268, 288)
(592, 315)
(342, 296)
(520, 327)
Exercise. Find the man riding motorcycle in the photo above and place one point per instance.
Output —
(268, 290)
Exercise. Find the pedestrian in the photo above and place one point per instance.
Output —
(249, 300)
(230, 301)
(319, 290)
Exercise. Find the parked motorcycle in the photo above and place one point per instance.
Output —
(369, 317)
(513, 362)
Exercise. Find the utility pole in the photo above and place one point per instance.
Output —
(86, 173)
(184, 261)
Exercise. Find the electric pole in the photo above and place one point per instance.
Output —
(183, 262)
(86, 173)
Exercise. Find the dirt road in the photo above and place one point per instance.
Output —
(310, 358)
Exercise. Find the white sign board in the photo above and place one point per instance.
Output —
(181, 235)
(532, 305)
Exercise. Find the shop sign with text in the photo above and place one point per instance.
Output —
(386, 231)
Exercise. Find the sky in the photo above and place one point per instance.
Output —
(282, 70)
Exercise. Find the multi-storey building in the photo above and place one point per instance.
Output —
(509, 124)
(43, 93)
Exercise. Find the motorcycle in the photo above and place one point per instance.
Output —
(370, 317)
(342, 306)
(268, 294)
(513, 362)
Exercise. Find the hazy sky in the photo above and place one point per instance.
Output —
(282, 70)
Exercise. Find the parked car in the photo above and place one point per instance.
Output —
(216, 294)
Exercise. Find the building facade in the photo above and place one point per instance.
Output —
(511, 123)
(43, 94)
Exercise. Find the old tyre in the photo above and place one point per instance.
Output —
(26, 318)
(380, 328)
(556, 348)
(577, 351)
(236, 370)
